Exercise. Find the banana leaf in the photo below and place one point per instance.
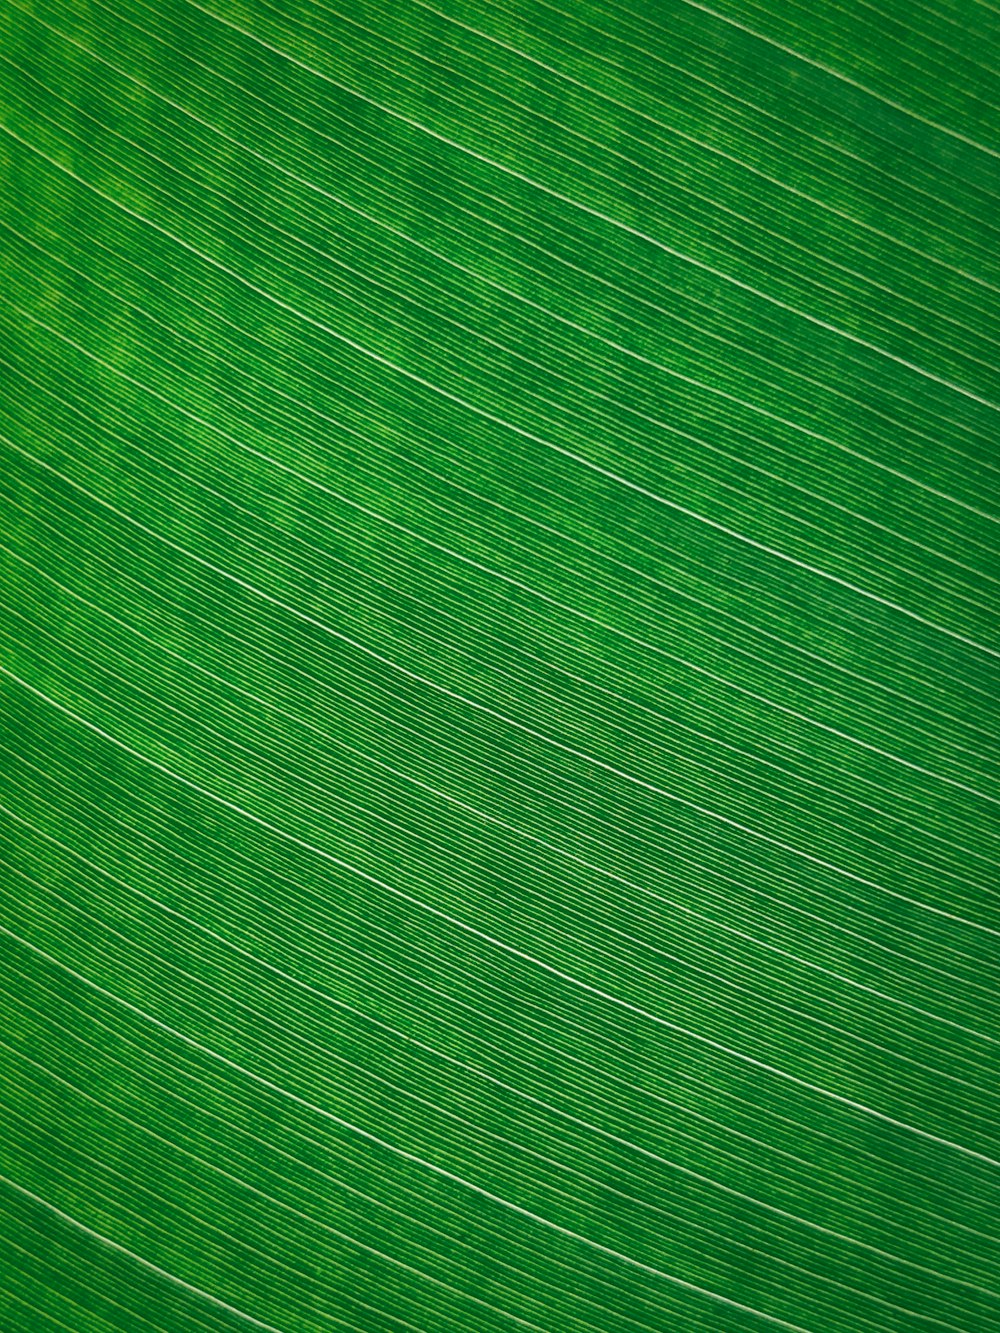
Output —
(498, 665)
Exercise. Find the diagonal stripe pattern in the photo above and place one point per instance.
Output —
(498, 656)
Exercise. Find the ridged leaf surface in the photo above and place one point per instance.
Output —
(498, 659)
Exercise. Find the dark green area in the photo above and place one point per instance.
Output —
(498, 657)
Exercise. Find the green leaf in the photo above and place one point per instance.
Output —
(498, 656)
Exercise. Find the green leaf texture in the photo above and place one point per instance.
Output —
(498, 659)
